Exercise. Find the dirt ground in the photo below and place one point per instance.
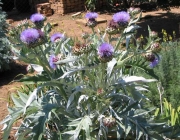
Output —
(157, 20)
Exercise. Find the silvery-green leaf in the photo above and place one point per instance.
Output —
(139, 88)
(32, 97)
(130, 79)
(140, 112)
(131, 28)
(87, 123)
(69, 73)
(4, 127)
(15, 57)
(71, 98)
(128, 37)
(110, 66)
(136, 20)
(128, 127)
(67, 60)
(37, 68)
(82, 98)
(72, 132)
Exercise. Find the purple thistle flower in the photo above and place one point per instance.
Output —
(105, 52)
(154, 63)
(121, 18)
(91, 15)
(52, 59)
(29, 36)
(37, 18)
(57, 37)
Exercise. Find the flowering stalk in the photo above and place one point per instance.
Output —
(44, 56)
(41, 63)
(119, 42)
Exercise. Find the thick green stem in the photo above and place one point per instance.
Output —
(93, 30)
(103, 75)
(118, 43)
(42, 64)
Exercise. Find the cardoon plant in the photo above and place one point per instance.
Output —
(87, 95)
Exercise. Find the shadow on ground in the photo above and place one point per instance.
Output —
(17, 16)
(168, 21)
(8, 76)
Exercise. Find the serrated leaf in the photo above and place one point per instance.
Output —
(67, 60)
(39, 128)
(32, 97)
(110, 66)
(127, 127)
(130, 79)
(23, 97)
(34, 79)
(37, 68)
(16, 114)
(17, 101)
(140, 112)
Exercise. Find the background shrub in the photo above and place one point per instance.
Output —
(168, 72)
(5, 57)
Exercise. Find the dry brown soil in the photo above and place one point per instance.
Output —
(157, 20)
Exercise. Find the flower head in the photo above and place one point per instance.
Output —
(57, 37)
(29, 36)
(121, 18)
(154, 63)
(91, 15)
(53, 59)
(37, 18)
(105, 52)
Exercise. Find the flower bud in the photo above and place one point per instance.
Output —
(91, 23)
(113, 27)
(85, 35)
(79, 48)
(134, 11)
(153, 34)
(150, 57)
(109, 121)
(156, 47)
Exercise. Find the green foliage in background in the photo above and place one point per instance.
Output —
(172, 115)
(5, 54)
(168, 72)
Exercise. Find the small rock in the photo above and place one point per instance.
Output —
(9, 21)
(54, 23)
(76, 14)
